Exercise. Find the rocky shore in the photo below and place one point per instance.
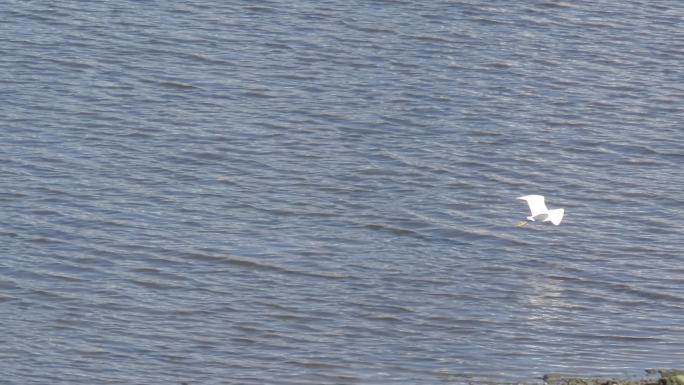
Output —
(653, 377)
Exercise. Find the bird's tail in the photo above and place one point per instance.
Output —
(555, 216)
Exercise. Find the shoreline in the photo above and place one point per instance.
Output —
(652, 377)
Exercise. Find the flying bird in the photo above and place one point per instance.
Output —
(539, 212)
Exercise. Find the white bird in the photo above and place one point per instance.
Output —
(539, 212)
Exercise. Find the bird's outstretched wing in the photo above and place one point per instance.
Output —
(555, 216)
(536, 203)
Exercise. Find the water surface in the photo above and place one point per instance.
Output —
(323, 192)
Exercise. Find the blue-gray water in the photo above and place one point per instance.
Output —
(323, 192)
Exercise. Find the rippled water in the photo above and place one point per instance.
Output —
(323, 192)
